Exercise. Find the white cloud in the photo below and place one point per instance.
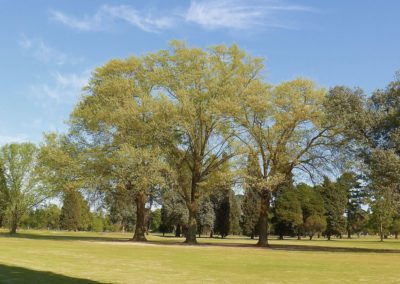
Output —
(107, 14)
(41, 51)
(64, 88)
(209, 14)
(235, 14)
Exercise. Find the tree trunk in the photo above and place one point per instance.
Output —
(396, 235)
(263, 221)
(348, 235)
(311, 236)
(140, 229)
(178, 231)
(381, 231)
(252, 235)
(298, 237)
(328, 236)
(14, 223)
(192, 226)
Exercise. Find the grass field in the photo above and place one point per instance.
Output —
(61, 257)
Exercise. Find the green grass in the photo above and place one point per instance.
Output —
(62, 257)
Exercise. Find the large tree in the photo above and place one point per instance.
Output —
(116, 122)
(20, 188)
(289, 128)
(199, 84)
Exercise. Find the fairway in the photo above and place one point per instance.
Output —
(61, 257)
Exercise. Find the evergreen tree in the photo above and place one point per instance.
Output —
(354, 212)
(251, 199)
(205, 217)
(288, 214)
(222, 216)
(75, 214)
(234, 213)
(335, 200)
(312, 206)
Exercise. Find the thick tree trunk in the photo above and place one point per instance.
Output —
(252, 236)
(311, 236)
(298, 237)
(140, 229)
(192, 226)
(349, 235)
(263, 221)
(328, 236)
(211, 234)
(396, 235)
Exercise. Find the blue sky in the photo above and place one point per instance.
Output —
(48, 48)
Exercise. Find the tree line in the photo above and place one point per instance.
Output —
(200, 135)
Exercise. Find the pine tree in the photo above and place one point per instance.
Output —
(75, 214)
(335, 200)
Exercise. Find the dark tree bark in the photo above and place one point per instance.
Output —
(140, 229)
(263, 220)
(192, 226)
(192, 206)
(178, 231)
(14, 223)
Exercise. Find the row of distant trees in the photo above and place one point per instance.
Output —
(329, 209)
(189, 125)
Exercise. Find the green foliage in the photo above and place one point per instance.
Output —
(75, 214)
(155, 217)
(335, 200)
(288, 212)
(20, 187)
(205, 217)
(44, 217)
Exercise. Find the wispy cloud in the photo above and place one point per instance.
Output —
(240, 15)
(209, 14)
(107, 14)
(41, 51)
(64, 89)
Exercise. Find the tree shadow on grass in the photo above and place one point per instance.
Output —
(17, 275)
(285, 247)
(179, 241)
(62, 237)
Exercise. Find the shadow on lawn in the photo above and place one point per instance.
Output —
(286, 247)
(13, 274)
(223, 243)
(62, 237)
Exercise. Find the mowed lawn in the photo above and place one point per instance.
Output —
(62, 257)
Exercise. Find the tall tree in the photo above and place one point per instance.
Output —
(251, 199)
(199, 84)
(335, 200)
(117, 123)
(20, 189)
(289, 128)
(354, 213)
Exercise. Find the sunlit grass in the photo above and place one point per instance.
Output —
(111, 258)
